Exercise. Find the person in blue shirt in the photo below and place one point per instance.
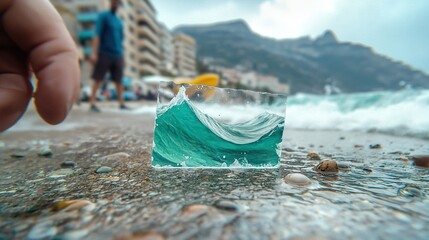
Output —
(108, 53)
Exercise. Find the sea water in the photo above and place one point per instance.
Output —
(401, 113)
(187, 135)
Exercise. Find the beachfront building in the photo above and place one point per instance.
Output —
(253, 80)
(272, 84)
(232, 76)
(185, 55)
(141, 30)
(166, 51)
(249, 80)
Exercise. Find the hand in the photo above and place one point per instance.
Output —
(33, 36)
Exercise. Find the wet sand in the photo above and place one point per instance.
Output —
(378, 193)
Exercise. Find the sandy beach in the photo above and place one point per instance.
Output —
(377, 193)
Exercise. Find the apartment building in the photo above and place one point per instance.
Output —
(185, 55)
(141, 30)
(167, 51)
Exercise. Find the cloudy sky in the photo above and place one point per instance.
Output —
(396, 28)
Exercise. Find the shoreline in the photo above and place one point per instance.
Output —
(377, 189)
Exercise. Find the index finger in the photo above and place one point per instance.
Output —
(37, 28)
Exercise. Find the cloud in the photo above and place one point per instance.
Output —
(392, 27)
(227, 10)
(292, 18)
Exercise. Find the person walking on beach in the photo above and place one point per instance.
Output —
(108, 53)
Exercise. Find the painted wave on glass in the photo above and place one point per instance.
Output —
(186, 137)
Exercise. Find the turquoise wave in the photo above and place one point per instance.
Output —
(186, 137)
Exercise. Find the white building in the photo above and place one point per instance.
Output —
(185, 55)
(166, 51)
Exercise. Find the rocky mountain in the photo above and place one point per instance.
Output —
(306, 64)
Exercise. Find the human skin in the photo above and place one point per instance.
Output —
(33, 38)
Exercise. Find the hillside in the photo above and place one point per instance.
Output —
(306, 64)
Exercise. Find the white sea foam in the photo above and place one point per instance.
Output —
(400, 113)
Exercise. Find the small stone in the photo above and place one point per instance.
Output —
(45, 152)
(327, 166)
(72, 205)
(421, 161)
(367, 169)
(144, 235)
(375, 146)
(411, 192)
(67, 143)
(76, 234)
(68, 164)
(297, 179)
(60, 173)
(194, 211)
(344, 165)
(18, 155)
(358, 146)
(103, 169)
(42, 230)
(8, 192)
(342, 138)
(313, 156)
(289, 149)
(115, 156)
(227, 205)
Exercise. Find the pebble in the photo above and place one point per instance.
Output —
(67, 144)
(313, 156)
(75, 234)
(375, 146)
(358, 146)
(344, 165)
(72, 205)
(327, 166)
(68, 164)
(289, 149)
(42, 230)
(115, 156)
(421, 161)
(152, 194)
(45, 152)
(411, 192)
(193, 211)
(17, 155)
(297, 179)
(60, 173)
(144, 235)
(103, 169)
(227, 205)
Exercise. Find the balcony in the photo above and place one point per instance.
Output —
(148, 69)
(148, 32)
(144, 18)
(154, 49)
(87, 17)
(147, 56)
